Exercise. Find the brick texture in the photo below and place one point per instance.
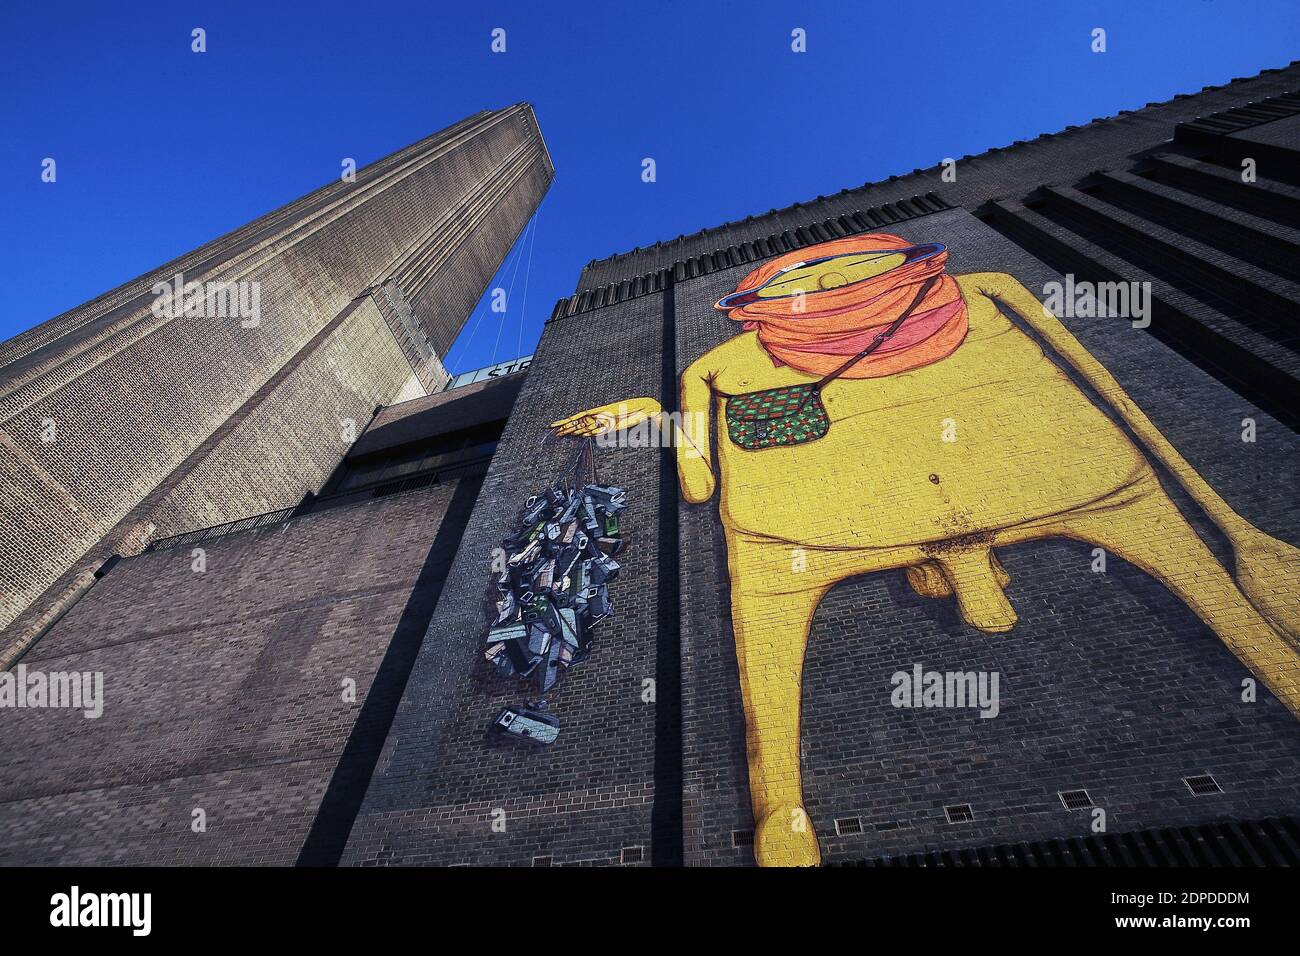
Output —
(227, 681)
(1108, 683)
(585, 798)
(223, 690)
(132, 395)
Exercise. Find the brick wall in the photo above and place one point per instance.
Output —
(1108, 682)
(591, 794)
(132, 395)
(291, 442)
(223, 690)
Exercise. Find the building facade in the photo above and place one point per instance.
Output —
(1114, 692)
(231, 380)
(321, 690)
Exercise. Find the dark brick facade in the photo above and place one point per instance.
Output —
(228, 680)
(223, 690)
(1109, 683)
(591, 794)
(162, 423)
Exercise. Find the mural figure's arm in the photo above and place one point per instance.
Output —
(694, 458)
(1267, 569)
(692, 437)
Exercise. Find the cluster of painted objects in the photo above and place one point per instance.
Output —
(553, 591)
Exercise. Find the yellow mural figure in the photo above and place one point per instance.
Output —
(878, 413)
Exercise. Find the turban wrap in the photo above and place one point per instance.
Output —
(838, 323)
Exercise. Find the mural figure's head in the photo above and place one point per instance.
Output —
(816, 307)
(861, 261)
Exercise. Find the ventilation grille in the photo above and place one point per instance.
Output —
(631, 854)
(740, 838)
(1198, 238)
(1075, 799)
(960, 813)
(1202, 785)
(847, 826)
(1238, 118)
(836, 227)
(1272, 842)
(541, 861)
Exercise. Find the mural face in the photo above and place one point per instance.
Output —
(863, 420)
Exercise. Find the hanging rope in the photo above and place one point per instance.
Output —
(523, 313)
(510, 292)
(581, 467)
(474, 331)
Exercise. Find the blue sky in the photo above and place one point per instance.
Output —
(160, 149)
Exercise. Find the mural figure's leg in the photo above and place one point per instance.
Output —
(1268, 573)
(1146, 529)
(771, 634)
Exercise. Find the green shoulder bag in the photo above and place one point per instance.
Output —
(794, 414)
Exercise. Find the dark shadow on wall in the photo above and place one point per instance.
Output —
(666, 848)
(226, 743)
(347, 788)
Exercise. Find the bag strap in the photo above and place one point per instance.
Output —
(881, 337)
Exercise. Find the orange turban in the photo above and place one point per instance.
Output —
(838, 323)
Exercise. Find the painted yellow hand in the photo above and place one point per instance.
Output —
(607, 418)
(1268, 573)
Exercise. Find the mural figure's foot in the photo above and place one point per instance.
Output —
(785, 837)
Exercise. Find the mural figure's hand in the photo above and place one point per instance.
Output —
(607, 418)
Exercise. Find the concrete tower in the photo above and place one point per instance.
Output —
(231, 380)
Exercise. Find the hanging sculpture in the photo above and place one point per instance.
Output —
(552, 587)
